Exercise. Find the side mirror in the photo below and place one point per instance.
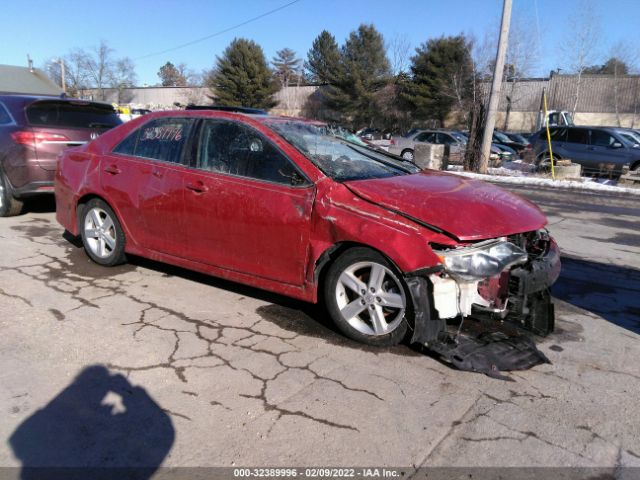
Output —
(294, 177)
(616, 145)
(297, 179)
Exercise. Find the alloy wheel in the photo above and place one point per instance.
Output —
(100, 232)
(370, 298)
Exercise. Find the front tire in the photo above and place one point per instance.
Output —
(407, 155)
(367, 298)
(9, 205)
(102, 234)
(544, 162)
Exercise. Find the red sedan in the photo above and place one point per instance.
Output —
(280, 204)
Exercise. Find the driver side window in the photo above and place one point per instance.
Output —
(233, 148)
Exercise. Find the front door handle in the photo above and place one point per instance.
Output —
(113, 170)
(197, 187)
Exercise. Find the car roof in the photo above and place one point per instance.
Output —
(24, 99)
(211, 113)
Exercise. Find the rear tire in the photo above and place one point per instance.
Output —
(102, 235)
(367, 298)
(9, 205)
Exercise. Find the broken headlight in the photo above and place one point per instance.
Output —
(481, 260)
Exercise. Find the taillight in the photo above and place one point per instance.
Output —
(392, 142)
(25, 137)
(529, 147)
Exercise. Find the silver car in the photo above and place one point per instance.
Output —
(404, 146)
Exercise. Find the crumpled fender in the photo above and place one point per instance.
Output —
(341, 216)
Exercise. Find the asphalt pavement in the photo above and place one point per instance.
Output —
(150, 365)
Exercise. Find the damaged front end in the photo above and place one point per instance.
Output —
(498, 287)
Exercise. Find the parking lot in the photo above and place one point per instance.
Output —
(194, 371)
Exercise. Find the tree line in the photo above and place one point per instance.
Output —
(360, 86)
(367, 81)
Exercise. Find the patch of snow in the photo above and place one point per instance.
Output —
(600, 185)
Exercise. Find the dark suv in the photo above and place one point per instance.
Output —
(33, 131)
(597, 149)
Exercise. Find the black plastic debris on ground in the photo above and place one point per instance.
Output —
(490, 351)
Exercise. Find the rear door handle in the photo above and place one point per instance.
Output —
(156, 173)
(113, 170)
(197, 187)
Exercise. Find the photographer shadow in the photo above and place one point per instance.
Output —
(98, 427)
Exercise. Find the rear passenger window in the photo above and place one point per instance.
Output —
(162, 139)
(578, 135)
(5, 118)
(233, 148)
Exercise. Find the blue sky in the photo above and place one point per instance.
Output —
(135, 28)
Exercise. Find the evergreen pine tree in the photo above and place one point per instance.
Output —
(442, 74)
(286, 67)
(362, 73)
(323, 59)
(241, 77)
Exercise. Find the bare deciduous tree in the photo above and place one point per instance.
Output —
(623, 59)
(399, 53)
(581, 43)
(94, 69)
(98, 65)
(522, 58)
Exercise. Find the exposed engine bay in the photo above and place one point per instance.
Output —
(483, 297)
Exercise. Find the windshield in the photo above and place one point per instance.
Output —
(336, 157)
(460, 137)
(72, 114)
(518, 138)
(501, 137)
(631, 137)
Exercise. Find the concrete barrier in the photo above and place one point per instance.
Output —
(427, 155)
(567, 171)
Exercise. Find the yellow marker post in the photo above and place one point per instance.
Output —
(546, 122)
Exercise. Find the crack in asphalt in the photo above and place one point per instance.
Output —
(56, 274)
(8, 295)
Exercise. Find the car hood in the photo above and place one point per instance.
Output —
(465, 208)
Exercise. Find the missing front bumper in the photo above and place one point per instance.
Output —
(495, 346)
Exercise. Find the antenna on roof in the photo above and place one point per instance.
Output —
(30, 62)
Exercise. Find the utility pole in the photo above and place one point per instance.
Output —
(496, 86)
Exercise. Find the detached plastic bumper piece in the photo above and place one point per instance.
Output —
(491, 353)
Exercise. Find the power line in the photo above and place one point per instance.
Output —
(202, 39)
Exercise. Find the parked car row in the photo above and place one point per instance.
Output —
(456, 141)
